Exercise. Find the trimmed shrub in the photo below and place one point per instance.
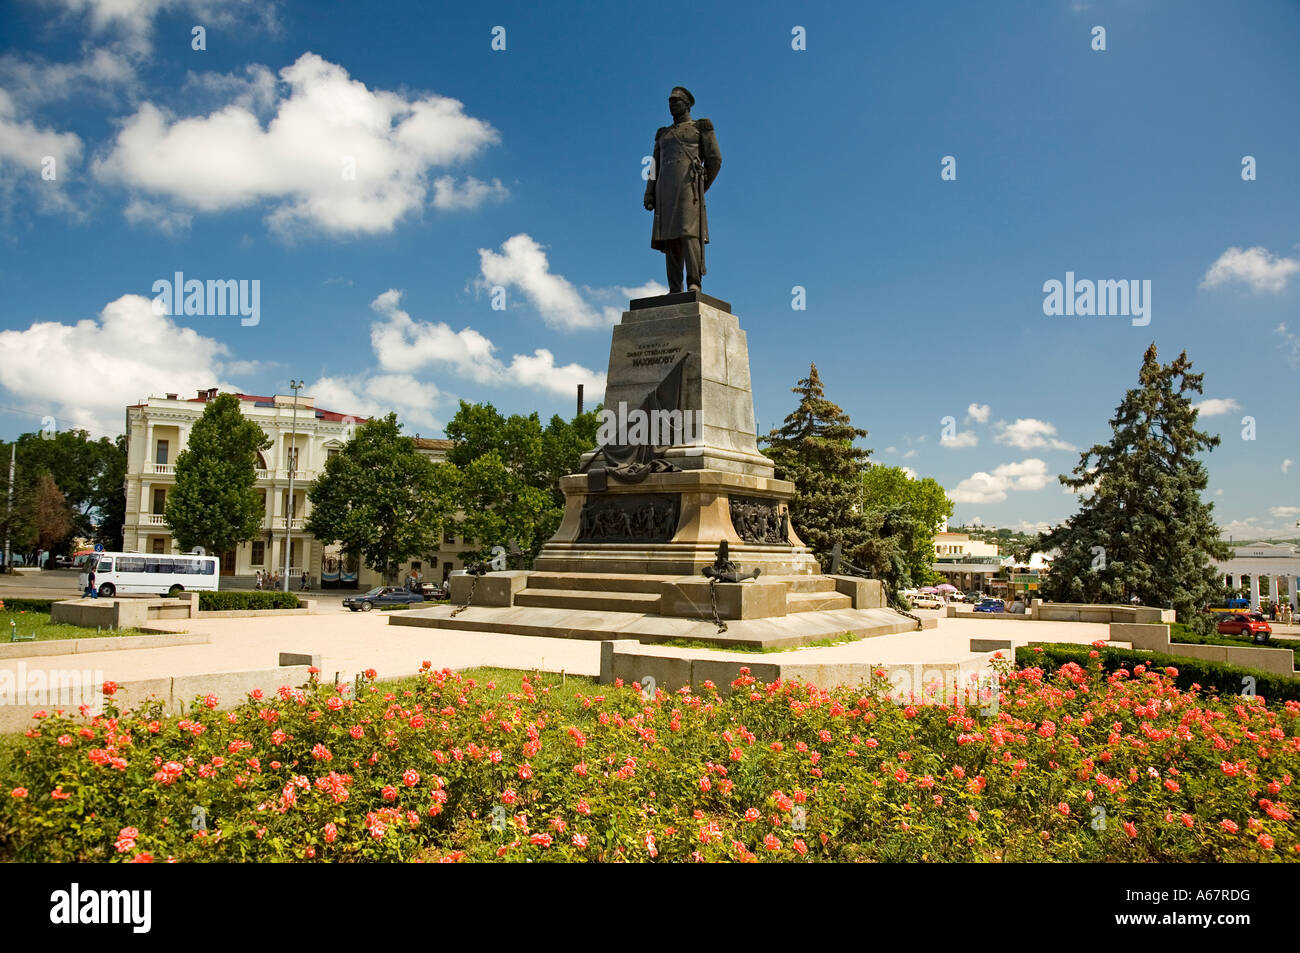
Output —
(1213, 677)
(27, 605)
(231, 601)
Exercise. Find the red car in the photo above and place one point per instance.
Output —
(1250, 626)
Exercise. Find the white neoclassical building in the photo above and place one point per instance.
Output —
(303, 436)
(1279, 562)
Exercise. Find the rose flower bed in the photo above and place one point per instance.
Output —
(1075, 765)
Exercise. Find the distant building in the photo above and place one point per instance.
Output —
(969, 564)
(158, 429)
(1278, 562)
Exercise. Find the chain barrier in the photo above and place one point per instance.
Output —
(473, 584)
(713, 600)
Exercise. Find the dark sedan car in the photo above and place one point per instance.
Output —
(991, 605)
(1251, 626)
(382, 596)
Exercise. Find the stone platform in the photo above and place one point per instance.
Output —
(769, 612)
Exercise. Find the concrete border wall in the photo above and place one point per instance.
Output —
(109, 643)
(231, 689)
(1155, 638)
(1086, 612)
(631, 661)
(135, 613)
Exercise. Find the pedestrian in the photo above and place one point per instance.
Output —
(304, 584)
(257, 580)
(90, 585)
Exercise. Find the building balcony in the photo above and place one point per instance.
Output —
(153, 519)
(967, 560)
(277, 523)
(161, 469)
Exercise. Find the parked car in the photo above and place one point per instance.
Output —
(991, 605)
(1250, 626)
(382, 596)
(433, 590)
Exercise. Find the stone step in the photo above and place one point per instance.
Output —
(804, 583)
(589, 600)
(596, 581)
(816, 601)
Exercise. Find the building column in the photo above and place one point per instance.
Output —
(1254, 590)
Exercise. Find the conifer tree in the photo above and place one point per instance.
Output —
(1142, 531)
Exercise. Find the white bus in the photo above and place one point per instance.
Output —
(152, 573)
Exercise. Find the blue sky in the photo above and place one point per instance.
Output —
(521, 167)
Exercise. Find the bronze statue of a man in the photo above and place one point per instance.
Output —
(686, 161)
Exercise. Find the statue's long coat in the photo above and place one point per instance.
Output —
(679, 210)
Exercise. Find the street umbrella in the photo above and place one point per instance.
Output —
(946, 587)
(929, 589)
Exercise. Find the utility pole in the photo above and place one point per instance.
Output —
(295, 386)
(579, 400)
(9, 504)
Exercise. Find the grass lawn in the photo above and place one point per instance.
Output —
(46, 630)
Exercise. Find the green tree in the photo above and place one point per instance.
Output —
(90, 473)
(17, 508)
(215, 504)
(911, 511)
(381, 499)
(510, 468)
(1142, 529)
(53, 520)
(814, 449)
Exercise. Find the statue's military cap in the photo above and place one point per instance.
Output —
(686, 94)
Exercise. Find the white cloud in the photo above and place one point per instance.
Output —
(909, 472)
(1027, 475)
(168, 221)
(522, 264)
(1028, 433)
(470, 194)
(966, 439)
(1291, 344)
(131, 22)
(403, 345)
(1254, 267)
(1286, 465)
(1216, 406)
(102, 72)
(891, 450)
(374, 395)
(978, 413)
(1285, 511)
(128, 353)
(335, 156)
(909, 455)
(26, 150)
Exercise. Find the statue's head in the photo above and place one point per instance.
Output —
(680, 101)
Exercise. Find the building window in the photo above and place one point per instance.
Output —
(331, 454)
(159, 500)
(449, 536)
(160, 455)
(433, 562)
(158, 544)
(259, 553)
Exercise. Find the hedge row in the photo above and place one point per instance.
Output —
(26, 605)
(230, 601)
(1213, 677)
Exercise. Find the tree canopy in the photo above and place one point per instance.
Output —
(1142, 529)
(381, 499)
(215, 504)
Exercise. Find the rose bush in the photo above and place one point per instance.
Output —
(1079, 764)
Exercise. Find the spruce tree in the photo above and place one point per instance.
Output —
(814, 449)
(1142, 530)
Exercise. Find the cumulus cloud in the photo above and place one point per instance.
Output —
(416, 402)
(909, 473)
(126, 354)
(131, 22)
(1290, 344)
(335, 156)
(1215, 406)
(403, 345)
(1027, 433)
(27, 151)
(978, 413)
(1286, 465)
(1254, 267)
(449, 195)
(964, 439)
(1027, 475)
(1285, 511)
(522, 264)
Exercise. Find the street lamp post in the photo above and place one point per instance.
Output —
(295, 386)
